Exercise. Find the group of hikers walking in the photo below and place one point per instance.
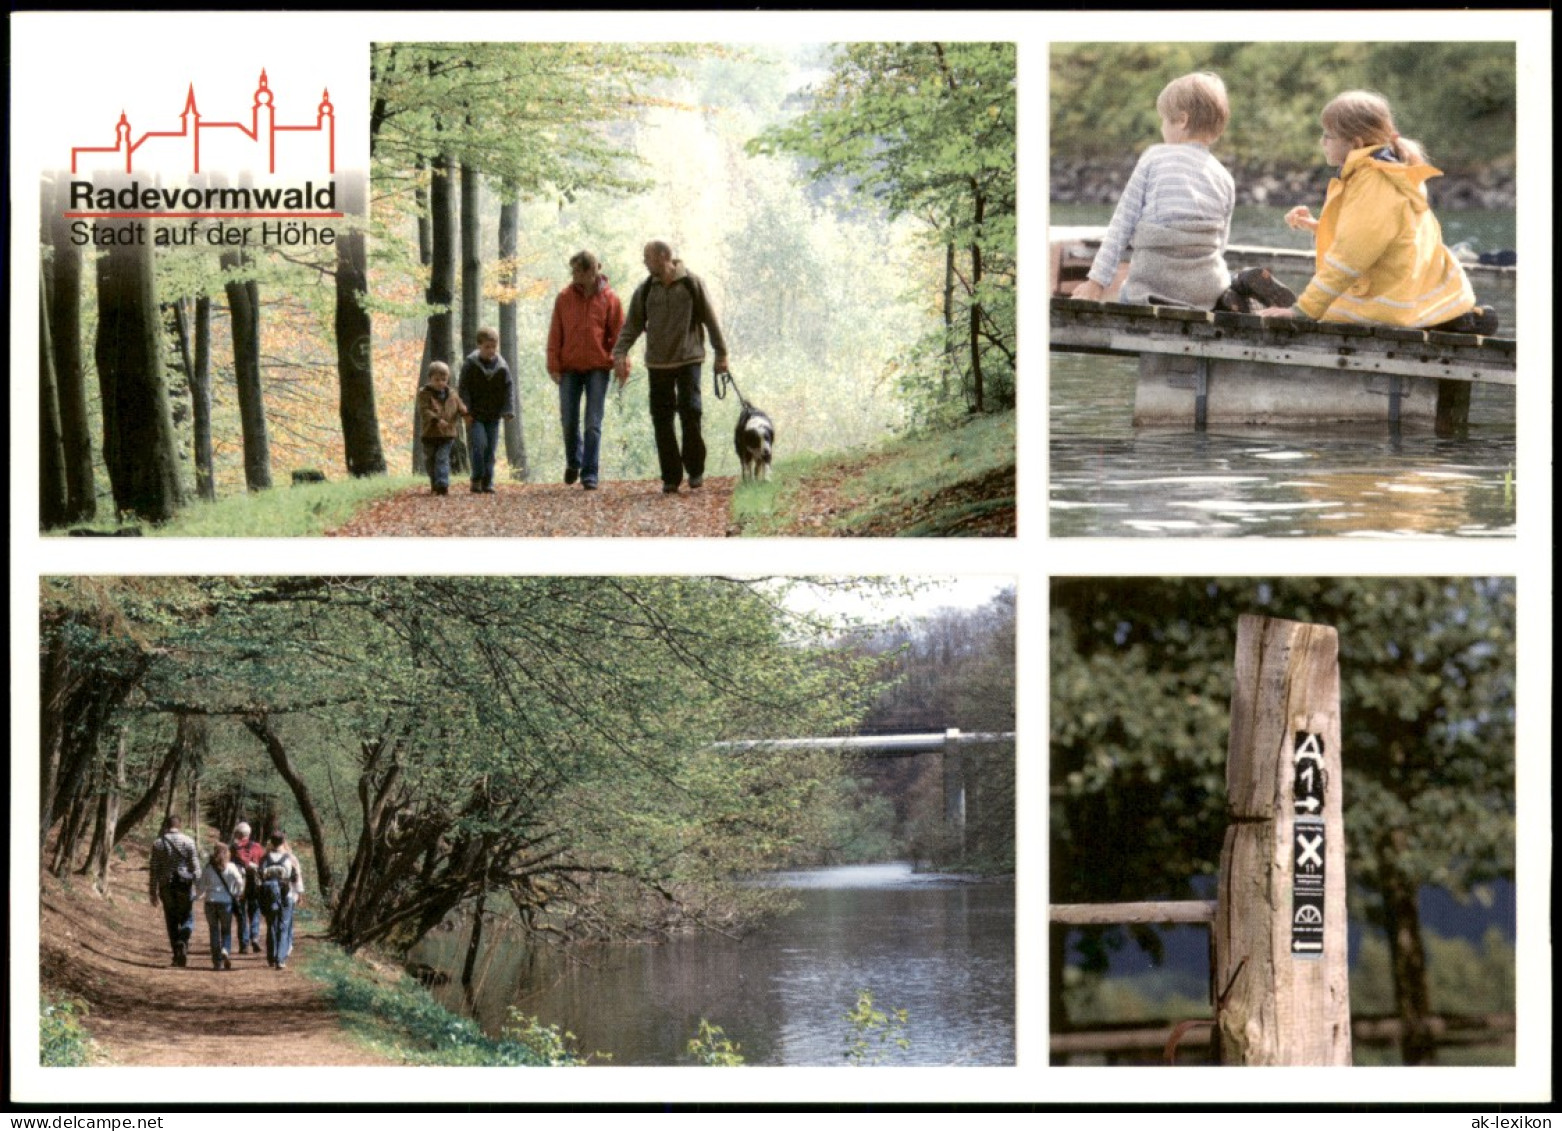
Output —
(589, 340)
(1379, 253)
(244, 882)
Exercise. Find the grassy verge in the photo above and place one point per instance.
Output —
(304, 510)
(955, 482)
(63, 1041)
(397, 1017)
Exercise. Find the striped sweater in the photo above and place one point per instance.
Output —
(1177, 188)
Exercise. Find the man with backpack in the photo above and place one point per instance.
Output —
(175, 867)
(281, 887)
(674, 312)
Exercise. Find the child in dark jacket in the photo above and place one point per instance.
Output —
(485, 388)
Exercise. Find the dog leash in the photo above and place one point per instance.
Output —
(721, 381)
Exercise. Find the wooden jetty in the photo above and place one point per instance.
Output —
(1202, 368)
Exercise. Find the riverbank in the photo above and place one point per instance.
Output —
(1101, 182)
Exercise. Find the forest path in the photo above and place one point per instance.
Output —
(617, 509)
(114, 953)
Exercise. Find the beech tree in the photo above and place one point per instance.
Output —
(928, 130)
(61, 299)
(139, 445)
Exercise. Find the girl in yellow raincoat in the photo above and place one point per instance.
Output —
(1380, 254)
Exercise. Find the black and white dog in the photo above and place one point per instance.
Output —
(753, 437)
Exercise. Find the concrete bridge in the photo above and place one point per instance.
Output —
(951, 745)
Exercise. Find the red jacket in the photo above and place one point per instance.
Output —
(585, 328)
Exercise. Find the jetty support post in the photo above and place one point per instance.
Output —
(1281, 978)
(954, 788)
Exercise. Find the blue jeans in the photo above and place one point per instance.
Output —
(677, 392)
(178, 916)
(484, 439)
(437, 453)
(247, 912)
(219, 919)
(582, 453)
(279, 935)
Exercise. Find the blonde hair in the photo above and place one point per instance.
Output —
(1363, 118)
(488, 334)
(1202, 97)
(436, 368)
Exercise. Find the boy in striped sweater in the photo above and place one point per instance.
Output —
(1175, 213)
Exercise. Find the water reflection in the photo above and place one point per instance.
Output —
(940, 947)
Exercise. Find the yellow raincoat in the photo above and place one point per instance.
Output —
(1380, 253)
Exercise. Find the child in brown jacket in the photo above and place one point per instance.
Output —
(439, 410)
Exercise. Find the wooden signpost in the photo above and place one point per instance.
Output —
(1278, 931)
(1279, 934)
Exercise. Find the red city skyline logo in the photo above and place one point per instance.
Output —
(229, 139)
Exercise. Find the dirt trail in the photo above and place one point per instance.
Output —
(635, 509)
(114, 953)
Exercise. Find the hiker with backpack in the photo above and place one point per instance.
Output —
(281, 887)
(674, 312)
(221, 887)
(175, 866)
(246, 853)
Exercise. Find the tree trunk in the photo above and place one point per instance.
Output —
(260, 727)
(200, 395)
(471, 257)
(474, 942)
(69, 372)
(509, 344)
(53, 501)
(244, 314)
(950, 340)
(138, 428)
(201, 400)
(111, 801)
(976, 306)
(441, 345)
(165, 771)
(354, 357)
(1402, 917)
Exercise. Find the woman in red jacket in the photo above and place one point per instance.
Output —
(587, 317)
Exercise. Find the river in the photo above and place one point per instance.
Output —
(939, 947)
(1110, 479)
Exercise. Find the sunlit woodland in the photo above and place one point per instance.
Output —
(851, 210)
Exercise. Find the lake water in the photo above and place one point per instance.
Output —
(939, 947)
(1111, 479)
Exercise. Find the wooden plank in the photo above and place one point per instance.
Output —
(1110, 914)
(1125, 330)
(1280, 931)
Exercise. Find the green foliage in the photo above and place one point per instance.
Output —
(918, 486)
(405, 1017)
(552, 1046)
(1141, 683)
(306, 510)
(1463, 979)
(1158, 996)
(1458, 99)
(63, 1042)
(874, 1035)
(712, 1047)
(928, 131)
